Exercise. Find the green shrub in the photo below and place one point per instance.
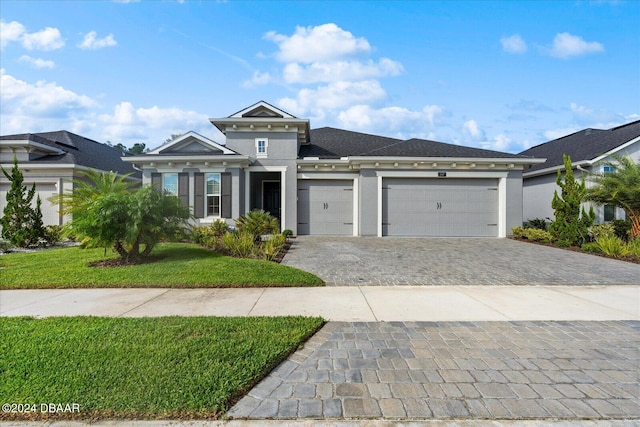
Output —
(257, 223)
(287, 233)
(591, 248)
(538, 235)
(219, 227)
(52, 234)
(239, 244)
(272, 247)
(633, 246)
(518, 232)
(5, 246)
(622, 228)
(613, 246)
(602, 230)
(539, 223)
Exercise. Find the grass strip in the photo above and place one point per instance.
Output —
(178, 265)
(168, 367)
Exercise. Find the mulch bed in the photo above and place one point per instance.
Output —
(629, 258)
(119, 262)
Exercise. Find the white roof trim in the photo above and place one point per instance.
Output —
(191, 134)
(554, 169)
(26, 143)
(265, 105)
(615, 150)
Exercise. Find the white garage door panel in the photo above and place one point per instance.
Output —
(440, 207)
(325, 207)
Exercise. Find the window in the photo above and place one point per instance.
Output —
(608, 169)
(609, 213)
(213, 194)
(261, 147)
(170, 183)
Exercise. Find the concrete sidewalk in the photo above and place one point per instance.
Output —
(364, 304)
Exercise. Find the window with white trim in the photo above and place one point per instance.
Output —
(261, 147)
(170, 183)
(608, 169)
(212, 183)
(609, 213)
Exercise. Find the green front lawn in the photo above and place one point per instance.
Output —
(179, 265)
(168, 367)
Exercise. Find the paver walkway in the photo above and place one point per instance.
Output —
(457, 370)
(348, 261)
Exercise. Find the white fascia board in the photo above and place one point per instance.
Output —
(616, 150)
(184, 158)
(554, 169)
(265, 105)
(24, 143)
(319, 161)
(476, 160)
(58, 167)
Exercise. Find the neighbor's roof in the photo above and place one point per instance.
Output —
(78, 150)
(587, 144)
(331, 143)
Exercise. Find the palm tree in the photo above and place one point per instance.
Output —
(620, 188)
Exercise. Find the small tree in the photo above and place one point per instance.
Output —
(21, 224)
(620, 188)
(572, 223)
(107, 212)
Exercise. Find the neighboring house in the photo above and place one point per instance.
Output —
(52, 160)
(336, 182)
(589, 150)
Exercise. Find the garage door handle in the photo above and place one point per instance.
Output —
(492, 225)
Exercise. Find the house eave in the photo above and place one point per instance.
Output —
(227, 160)
(31, 146)
(441, 162)
(264, 124)
(555, 169)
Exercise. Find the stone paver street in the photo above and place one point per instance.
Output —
(348, 261)
(456, 370)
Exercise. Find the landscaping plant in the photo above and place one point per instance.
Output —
(571, 224)
(21, 223)
(107, 212)
(257, 223)
(620, 188)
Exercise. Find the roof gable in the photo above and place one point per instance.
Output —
(583, 146)
(192, 143)
(263, 110)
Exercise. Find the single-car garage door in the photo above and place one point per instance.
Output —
(450, 207)
(325, 207)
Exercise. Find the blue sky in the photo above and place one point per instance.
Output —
(498, 75)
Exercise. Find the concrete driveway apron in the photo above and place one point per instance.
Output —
(345, 261)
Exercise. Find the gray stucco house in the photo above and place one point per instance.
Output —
(589, 150)
(52, 160)
(335, 182)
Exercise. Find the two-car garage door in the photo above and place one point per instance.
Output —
(440, 207)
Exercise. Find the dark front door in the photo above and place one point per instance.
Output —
(271, 198)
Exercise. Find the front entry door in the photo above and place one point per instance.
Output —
(271, 198)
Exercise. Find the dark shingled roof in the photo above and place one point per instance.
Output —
(331, 143)
(586, 144)
(79, 151)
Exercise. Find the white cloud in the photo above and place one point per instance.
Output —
(10, 32)
(470, 127)
(257, 79)
(340, 70)
(128, 122)
(559, 132)
(333, 96)
(318, 44)
(513, 44)
(37, 62)
(500, 143)
(392, 121)
(91, 41)
(37, 107)
(566, 45)
(47, 39)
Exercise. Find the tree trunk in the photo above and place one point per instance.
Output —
(147, 250)
(634, 217)
(121, 250)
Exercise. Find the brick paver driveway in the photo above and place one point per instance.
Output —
(451, 261)
(460, 370)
